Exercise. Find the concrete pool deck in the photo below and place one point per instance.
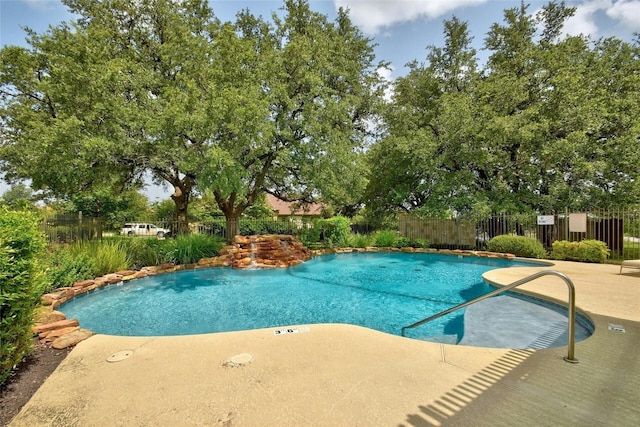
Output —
(342, 375)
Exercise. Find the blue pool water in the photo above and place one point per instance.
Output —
(382, 291)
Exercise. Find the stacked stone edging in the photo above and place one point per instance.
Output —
(262, 251)
(53, 328)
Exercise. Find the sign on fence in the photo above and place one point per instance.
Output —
(578, 223)
(546, 219)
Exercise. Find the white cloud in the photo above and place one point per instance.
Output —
(386, 72)
(372, 16)
(627, 12)
(586, 22)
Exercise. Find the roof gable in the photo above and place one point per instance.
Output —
(288, 208)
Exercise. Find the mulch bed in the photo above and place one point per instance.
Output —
(27, 379)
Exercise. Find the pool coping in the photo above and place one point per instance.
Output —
(342, 375)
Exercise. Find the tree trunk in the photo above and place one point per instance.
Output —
(233, 225)
(181, 199)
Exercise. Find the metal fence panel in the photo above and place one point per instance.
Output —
(618, 228)
(70, 228)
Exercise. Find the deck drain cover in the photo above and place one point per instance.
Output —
(120, 355)
(616, 328)
(240, 360)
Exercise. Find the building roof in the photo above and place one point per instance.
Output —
(289, 208)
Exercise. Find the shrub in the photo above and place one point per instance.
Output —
(310, 237)
(188, 249)
(565, 250)
(420, 243)
(593, 251)
(385, 239)
(64, 268)
(21, 279)
(144, 252)
(403, 242)
(253, 227)
(358, 240)
(521, 246)
(107, 256)
(332, 232)
(184, 249)
(585, 250)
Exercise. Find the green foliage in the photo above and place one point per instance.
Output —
(114, 209)
(586, 250)
(252, 227)
(65, 268)
(550, 123)
(85, 259)
(331, 232)
(375, 219)
(21, 279)
(320, 76)
(385, 238)
(146, 252)
(310, 237)
(403, 242)
(390, 239)
(259, 210)
(88, 259)
(19, 197)
(420, 243)
(593, 251)
(103, 99)
(188, 249)
(108, 255)
(631, 251)
(184, 249)
(521, 246)
(565, 250)
(358, 240)
(164, 210)
(61, 233)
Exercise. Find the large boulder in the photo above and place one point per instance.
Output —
(71, 339)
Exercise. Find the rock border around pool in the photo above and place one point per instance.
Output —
(53, 328)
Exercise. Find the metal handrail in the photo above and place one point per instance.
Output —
(572, 307)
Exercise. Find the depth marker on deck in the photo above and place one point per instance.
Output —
(290, 331)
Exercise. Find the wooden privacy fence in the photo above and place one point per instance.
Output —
(618, 228)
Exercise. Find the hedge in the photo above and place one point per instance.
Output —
(332, 232)
(22, 245)
(585, 250)
(520, 246)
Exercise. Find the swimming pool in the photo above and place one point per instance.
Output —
(382, 291)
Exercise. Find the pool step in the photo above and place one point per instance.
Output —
(510, 322)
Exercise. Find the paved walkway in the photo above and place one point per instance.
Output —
(341, 375)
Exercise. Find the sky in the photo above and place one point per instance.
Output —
(401, 29)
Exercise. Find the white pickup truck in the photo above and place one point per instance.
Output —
(143, 229)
